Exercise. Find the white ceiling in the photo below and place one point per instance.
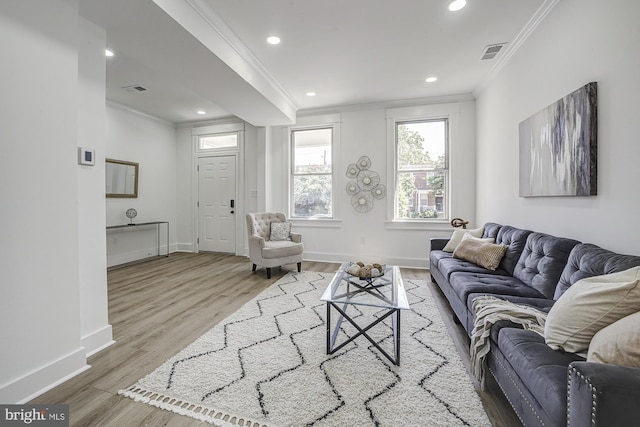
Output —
(348, 52)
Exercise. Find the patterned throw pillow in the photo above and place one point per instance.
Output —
(280, 231)
(477, 251)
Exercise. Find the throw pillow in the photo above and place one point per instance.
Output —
(588, 306)
(280, 231)
(618, 343)
(457, 236)
(480, 252)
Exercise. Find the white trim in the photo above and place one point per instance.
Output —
(43, 379)
(312, 122)
(392, 104)
(254, 70)
(449, 111)
(98, 340)
(121, 107)
(239, 158)
(533, 23)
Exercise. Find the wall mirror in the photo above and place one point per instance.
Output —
(121, 178)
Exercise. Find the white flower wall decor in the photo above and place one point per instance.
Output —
(364, 186)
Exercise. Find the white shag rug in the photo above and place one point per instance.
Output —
(266, 365)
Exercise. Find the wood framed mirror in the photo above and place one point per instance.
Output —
(121, 178)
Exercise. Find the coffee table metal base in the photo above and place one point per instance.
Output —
(332, 335)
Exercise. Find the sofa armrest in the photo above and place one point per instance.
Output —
(296, 237)
(438, 243)
(603, 395)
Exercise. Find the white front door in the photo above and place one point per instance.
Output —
(216, 208)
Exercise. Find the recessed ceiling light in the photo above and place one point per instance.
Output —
(431, 79)
(201, 112)
(273, 40)
(108, 52)
(311, 94)
(457, 5)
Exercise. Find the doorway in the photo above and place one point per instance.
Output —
(217, 204)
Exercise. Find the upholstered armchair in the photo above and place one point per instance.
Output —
(272, 249)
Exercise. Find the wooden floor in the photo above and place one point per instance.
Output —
(158, 307)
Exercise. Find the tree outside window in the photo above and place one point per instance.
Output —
(421, 169)
(312, 170)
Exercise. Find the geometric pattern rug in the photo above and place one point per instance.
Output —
(266, 365)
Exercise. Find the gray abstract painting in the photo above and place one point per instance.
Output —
(558, 147)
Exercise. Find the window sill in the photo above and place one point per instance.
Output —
(316, 222)
(423, 225)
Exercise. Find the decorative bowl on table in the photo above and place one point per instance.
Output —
(365, 271)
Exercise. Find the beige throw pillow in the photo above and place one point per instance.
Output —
(590, 305)
(480, 252)
(457, 236)
(618, 343)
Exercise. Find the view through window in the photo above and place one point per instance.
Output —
(421, 169)
(312, 170)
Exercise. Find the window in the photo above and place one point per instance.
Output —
(421, 169)
(311, 170)
(217, 142)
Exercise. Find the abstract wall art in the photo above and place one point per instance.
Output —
(558, 147)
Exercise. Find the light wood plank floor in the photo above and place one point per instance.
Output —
(160, 306)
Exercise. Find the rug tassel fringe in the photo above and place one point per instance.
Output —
(183, 407)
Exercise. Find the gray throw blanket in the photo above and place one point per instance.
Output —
(487, 311)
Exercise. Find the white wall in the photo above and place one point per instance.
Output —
(96, 332)
(578, 42)
(40, 322)
(152, 144)
(372, 236)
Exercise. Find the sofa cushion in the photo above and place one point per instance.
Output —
(618, 343)
(448, 266)
(590, 305)
(465, 284)
(542, 261)
(436, 256)
(480, 251)
(588, 260)
(542, 370)
(457, 236)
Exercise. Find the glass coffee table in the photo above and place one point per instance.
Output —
(385, 292)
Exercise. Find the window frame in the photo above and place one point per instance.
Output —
(445, 170)
(293, 174)
(309, 123)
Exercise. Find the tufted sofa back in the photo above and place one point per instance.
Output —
(259, 224)
(491, 229)
(516, 239)
(542, 261)
(588, 260)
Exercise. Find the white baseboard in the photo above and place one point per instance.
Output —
(97, 340)
(333, 257)
(44, 379)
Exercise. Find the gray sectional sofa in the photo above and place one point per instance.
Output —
(545, 387)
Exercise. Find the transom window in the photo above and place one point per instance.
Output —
(312, 172)
(421, 190)
(218, 141)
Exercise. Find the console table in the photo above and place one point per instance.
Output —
(142, 224)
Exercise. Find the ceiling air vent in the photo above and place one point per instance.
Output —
(491, 51)
(134, 88)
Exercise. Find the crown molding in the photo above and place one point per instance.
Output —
(226, 33)
(542, 12)
(400, 103)
(117, 106)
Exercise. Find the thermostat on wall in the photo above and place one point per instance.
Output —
(86, 156)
